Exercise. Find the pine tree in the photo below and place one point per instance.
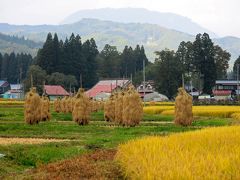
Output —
(90, 52)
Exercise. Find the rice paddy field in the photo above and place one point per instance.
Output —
(61, 149)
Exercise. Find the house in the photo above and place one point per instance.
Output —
(149, 88)
(224, 89)
(15, 92)
(4, 86)
(55, 91)
(107, 86)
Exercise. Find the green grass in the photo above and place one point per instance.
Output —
(98, 134)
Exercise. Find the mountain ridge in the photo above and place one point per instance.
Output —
(153, 37)
(141, 15)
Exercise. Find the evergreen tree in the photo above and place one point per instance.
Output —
(140, 56)
(90, 53)
(4, 68)
(47, 57)
(222, 57)
(167, 73)
(204, 62)
(128, 62)
(109, 62)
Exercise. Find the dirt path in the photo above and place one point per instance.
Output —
(9, 141)
(96, 165)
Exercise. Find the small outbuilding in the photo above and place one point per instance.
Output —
(55, 91)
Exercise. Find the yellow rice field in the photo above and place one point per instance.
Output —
(211, 111)
(10, 102)
(212, 153)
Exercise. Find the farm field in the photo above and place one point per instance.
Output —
(95, 144)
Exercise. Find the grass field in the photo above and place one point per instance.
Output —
(97, 136)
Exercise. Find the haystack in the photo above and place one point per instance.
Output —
(32, 107)
(81, 110)
(132, 108)
(109, 109)
(45, 109)
(57, 105)
(183, 108)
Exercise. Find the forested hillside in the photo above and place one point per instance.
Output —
(16, 44)
(153, 37)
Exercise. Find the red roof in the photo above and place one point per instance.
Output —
(55, 90)
(222, 92)
(105, 86)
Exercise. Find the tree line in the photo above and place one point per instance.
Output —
(199, 62)
(69, 62)
(66, 62)
(14, 67)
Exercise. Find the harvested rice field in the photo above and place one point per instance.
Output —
(62, 149)
(10, 141)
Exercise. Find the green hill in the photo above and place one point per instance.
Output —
(15, 44)
(153, 37)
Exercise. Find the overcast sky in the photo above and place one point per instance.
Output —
(219, 16)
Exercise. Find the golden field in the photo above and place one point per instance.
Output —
(212, 153)
(210, 111)
(11, 102)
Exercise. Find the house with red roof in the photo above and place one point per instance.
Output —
(55, 91)
(107, 86)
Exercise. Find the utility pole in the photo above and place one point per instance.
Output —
(144, 81)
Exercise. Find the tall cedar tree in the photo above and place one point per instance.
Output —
(46, 57)
(168, 72)
(109, 62)
(203, 51)
(90, 52)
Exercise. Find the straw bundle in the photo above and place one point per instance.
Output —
(45, 109)
(183, 108)
(109, 109)
(57, 105)
(119, 108)
(32, 107)
(69, 104)
(81, 109)
(64, 105)
(132, 108)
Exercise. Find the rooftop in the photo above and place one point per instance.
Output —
(55, 90)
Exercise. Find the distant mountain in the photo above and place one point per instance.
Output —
(15, 44)
(153, 37)
(140, 15)
(231, 44)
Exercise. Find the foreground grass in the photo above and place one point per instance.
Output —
(97, 135)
